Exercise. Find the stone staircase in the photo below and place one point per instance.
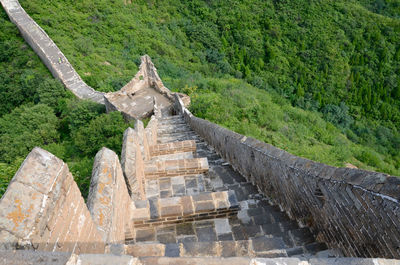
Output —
(228, 218)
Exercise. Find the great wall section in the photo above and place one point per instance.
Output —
(187, 191)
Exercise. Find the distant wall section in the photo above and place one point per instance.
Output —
(49, 53)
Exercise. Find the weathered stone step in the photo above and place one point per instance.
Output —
(173, 137)
(167, 129)
(172, 168)
(197, 261)
(149, 214)
(265, 261)
(162, 123)
(171, 120)
(172, 117)
(172, 148)
(255, 247)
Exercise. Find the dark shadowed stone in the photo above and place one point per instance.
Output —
(315, 247)
(187, 239)
(232, 198)
(340, 174)
(200, 249)
(191, 183)
(206, 234)
(165, 193)
(225, 237)
(239, 233)
(172, 250)
(224, 175)
(301, 236)
(373, 181)
(154, 214)
(252, 231)
(228, 249)
(166, 238)
(145, 235)
(184, 229)
(264, 243)
(391, 187)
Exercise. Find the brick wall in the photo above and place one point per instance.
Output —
(108, 200)
(43, 209)
(355, 210)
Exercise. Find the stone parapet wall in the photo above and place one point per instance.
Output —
(354, 210)
(43, 209)
(133, 164)
(49, 53)
(108, 200)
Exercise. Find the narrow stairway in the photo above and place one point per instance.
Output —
(253, 228)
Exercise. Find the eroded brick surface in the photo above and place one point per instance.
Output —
(108, 201)
(43, 208)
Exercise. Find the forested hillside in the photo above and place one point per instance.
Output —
(320, 79)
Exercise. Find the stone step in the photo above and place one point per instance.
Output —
(197, 261)
(166, 121)
(172, 117)
(162, 124)
(174, 156)
(180, 137)
(153, 213)
(254, 247)
(172, 148)
(177, 186)
(167, 129)
(173, 168)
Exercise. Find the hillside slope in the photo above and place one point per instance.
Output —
(247, 65)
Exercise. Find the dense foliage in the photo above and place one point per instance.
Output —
(320, 79)
(36, 110)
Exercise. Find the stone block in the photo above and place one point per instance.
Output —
(105, 259)
(146, 250)
(187, 205)
(21, 206)
(27, 257)
(222, 226)
(145, 234)
(171, 211)
(204, 206)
